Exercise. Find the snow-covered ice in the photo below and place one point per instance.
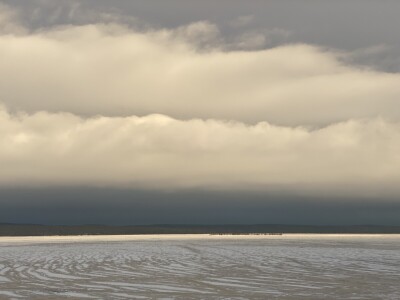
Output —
(201, 267)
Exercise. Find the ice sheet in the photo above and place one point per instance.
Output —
(201, 266)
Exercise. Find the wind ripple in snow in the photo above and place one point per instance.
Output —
(203, 268)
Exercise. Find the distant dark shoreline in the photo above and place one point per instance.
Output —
(64, 230)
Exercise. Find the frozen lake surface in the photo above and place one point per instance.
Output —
(201, 267)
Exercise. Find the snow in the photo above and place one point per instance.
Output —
(201, 266)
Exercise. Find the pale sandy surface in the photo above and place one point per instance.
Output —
(290, 266)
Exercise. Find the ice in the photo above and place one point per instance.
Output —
(9, 294)
(76, 295)
(201, 267)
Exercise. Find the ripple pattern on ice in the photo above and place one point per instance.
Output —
(203, 269)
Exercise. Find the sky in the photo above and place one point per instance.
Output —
(199, 112)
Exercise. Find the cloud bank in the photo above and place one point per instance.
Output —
(157, 151)
(109, 105)
(113, 70)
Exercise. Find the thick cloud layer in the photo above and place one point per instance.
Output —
(157, 151)
(113, 70)
(108, 105)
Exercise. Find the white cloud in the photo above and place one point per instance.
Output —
(113, 70)
(294, 116)
(157, 151)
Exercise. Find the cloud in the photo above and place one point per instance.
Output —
(111, 69)
(39, 14)
(242, 21)
(250, 40)
(107, 104)
(259, 39)
(157, 151)
(9, 20)
(199, 34)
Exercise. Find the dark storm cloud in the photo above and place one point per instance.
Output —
(124, 207)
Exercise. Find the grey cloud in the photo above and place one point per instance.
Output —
(84, 205)
(346, 25)
(242, 21)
